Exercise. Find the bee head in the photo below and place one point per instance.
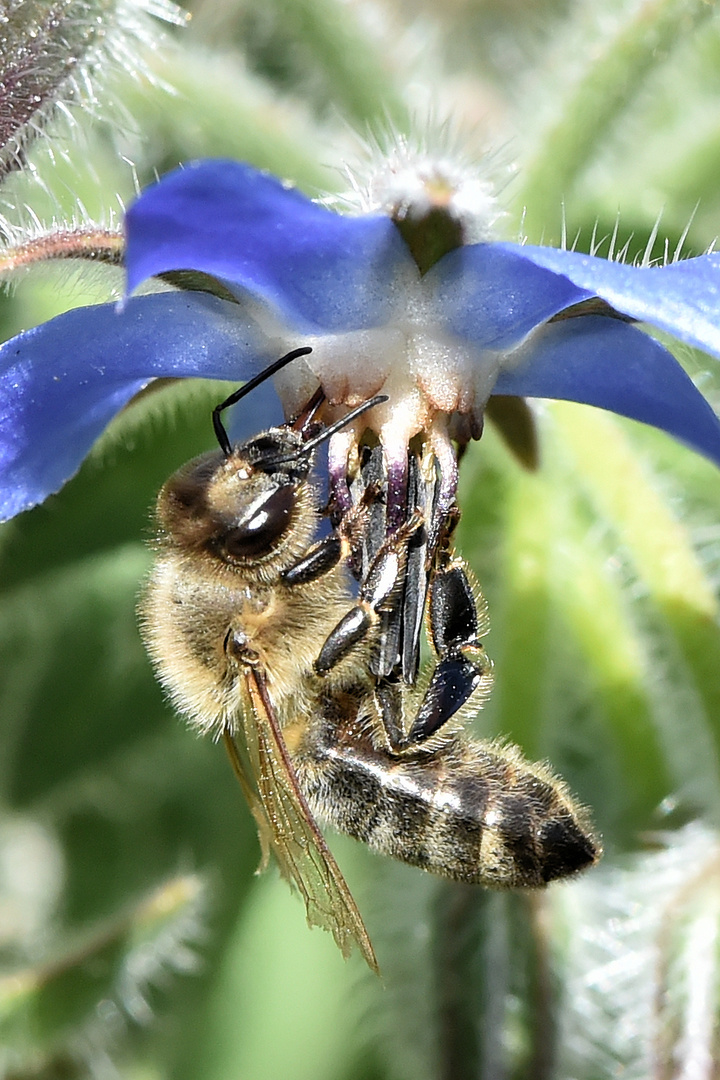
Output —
(239, 504)
(238, 507)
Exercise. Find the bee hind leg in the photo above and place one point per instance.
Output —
(462, 665)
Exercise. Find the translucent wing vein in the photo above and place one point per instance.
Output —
(286, 825)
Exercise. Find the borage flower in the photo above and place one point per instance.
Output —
(395, 299)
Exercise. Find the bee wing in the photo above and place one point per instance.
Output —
(286, 825)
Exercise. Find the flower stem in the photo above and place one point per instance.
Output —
(92, 243)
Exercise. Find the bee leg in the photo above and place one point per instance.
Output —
(371, 487)
(389, 701)
(397, 654)
(325, 555)
(319, 560)
(462, 663)
(420, 499)
(377, 591)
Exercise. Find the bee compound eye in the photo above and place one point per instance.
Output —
(265, 523)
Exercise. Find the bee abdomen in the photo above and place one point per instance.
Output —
(472, 812)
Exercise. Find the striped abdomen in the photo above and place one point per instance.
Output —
(476, 812)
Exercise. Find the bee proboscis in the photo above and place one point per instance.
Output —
(258, 640)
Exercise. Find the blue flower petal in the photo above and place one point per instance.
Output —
(605, 362)
(494, 297)
(319, 270)
(682, 298)
(62, 382)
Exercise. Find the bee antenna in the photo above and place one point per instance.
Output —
(325, 434)
(220, 433)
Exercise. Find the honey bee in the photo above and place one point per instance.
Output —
(256, 636)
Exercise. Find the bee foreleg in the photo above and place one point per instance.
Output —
(319, 560)
(325, 555)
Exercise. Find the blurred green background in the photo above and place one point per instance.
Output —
(134, 938)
